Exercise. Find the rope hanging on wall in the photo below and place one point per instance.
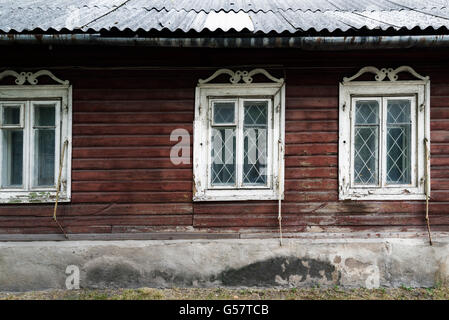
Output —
(58, 187)
(426, 147)
(279, 192)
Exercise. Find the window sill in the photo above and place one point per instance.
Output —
(27, 197)
(236, 195)
(359, 196)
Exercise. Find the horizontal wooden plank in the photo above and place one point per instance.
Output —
(315, 137)
(439, 124)
(97, 221)
(311, 161)
(439, 161)
(118, 186)
(132, 175)
(439, 195)
(53, 228)
(131, 197)
(439, 113)
(438, 101)
(439, 184)
(439, 136)
(165, 105)
(343, 208)
(65, 210)
(311, 149)
(311, 184)
(439, 90)
(439, 149)
(138, 163)
(311, 125)
(121, 152)
(132, 117)
(293, 90)
(311, 102)
(235, 221)
(138, 79)
(324, 208)
(330, 114)
(129, 235)
(129, 129)
(439, 172)
(312, 196)
(322, 172)
(123, 141)
(134, 94)
(270, 220)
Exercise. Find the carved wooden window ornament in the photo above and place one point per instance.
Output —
(384, 132)
(35, 129)
(239, 137)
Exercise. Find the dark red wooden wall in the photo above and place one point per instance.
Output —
(126, 102)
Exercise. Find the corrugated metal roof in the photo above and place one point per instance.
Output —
(253, 16)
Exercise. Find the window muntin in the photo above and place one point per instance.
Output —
(383, 141)
(239, 143)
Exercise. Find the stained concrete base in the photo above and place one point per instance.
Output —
(229, 262)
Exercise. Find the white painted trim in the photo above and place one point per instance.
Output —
(348, 90)
(275, 92)
(31, 77)
(42, 93)
(381, 74)
(245, 76)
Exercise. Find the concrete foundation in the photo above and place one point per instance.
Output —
(228, 262)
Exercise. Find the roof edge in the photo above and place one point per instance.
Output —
(302, 42)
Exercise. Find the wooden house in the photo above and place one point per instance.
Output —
(239, 120)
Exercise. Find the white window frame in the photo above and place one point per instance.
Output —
(206, 93)
(28, 96)
(419, 92)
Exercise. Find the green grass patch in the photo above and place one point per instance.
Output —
(335, 293)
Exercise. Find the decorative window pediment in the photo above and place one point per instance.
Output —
(30, 77)
(239, 137)
(384, 131)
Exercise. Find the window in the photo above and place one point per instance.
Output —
(238, 138)
(35, 129)
(383, 129)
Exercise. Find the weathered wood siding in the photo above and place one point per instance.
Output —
(126, 102)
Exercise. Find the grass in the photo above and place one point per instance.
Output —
(335, 293)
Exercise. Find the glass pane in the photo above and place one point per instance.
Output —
(44, 154)
(366, 155)
(12, 158)
(255, 147)
(44, 115)
(256, 113)
(223, 156)
(398, 111)
(11, 115)
(398, 142)
(224, 112)
(366, 112)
